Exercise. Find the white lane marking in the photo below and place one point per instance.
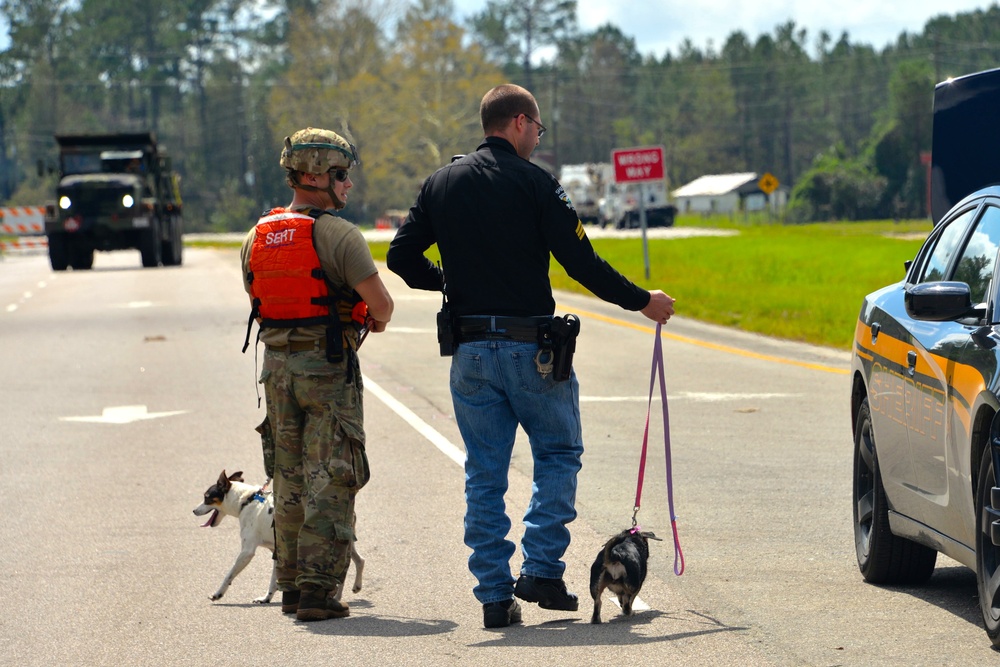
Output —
(418, 424)
(27, 295)
(637, 603)
(123, 414)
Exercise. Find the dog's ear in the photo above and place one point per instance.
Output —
(650, 536)
(223, 480)
(236, 476)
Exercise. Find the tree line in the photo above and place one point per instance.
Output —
(221, 82)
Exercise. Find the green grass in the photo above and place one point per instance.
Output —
(800, 282)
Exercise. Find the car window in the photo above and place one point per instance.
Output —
(976, 264)
(945, 248)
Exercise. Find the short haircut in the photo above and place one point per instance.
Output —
(503, 103)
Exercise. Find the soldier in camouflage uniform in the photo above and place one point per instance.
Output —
(311, 377)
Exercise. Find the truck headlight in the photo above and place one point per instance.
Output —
(64, 202)
(127, 201)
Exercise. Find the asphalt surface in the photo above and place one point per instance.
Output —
(125, 394)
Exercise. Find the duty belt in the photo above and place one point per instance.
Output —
(490, 327)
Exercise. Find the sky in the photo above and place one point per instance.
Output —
(658, 26)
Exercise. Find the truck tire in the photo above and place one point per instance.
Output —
(58, 252)
(173, 247)
(81, 256)
(149, 245)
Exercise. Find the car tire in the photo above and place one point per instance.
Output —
(987, 553)
(883, 558)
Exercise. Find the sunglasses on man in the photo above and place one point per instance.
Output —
(339, 175)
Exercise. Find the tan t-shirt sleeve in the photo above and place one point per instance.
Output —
(245, 256)
(343, 251)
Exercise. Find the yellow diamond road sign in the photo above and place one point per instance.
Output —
(767, 183)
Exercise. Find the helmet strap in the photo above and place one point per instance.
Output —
(338, 203)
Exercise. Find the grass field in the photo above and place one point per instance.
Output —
(801, 282)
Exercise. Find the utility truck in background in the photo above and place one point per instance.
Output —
(115, 192)
(598, 199)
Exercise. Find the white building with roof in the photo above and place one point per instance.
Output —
(727, 193)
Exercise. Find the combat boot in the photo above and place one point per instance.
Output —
(315, 604)
(289, 602)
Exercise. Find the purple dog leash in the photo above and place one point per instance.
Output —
(658, 370)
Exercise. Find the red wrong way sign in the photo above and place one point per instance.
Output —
(638, 165)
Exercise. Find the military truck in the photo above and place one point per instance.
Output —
(116, 191)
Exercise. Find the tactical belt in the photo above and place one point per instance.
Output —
(299, 346)
(489, 327)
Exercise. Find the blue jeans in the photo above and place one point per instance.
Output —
(495, 386)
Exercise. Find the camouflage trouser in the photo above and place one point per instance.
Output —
(319, 464)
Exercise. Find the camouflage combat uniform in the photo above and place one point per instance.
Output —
(320, 463)
(315, 408)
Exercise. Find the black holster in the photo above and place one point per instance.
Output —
(447, 341)
(561, 336)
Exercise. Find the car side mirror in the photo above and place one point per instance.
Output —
(938, 301)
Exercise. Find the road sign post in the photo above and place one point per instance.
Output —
(639, 165)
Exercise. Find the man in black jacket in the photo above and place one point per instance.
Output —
(496, 218)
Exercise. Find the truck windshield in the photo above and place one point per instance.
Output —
(81, 163)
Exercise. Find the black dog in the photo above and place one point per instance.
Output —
(621, 568)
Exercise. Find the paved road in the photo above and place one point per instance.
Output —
(124, 395)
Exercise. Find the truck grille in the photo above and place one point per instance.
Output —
(96, 201)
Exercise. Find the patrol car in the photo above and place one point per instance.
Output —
(926, 371)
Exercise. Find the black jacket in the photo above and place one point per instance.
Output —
(496, 217)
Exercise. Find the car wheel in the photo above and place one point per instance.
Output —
(883, 558)
(987, 553)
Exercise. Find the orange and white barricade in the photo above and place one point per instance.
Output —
(26, 224)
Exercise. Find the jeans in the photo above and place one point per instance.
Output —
(495, 386)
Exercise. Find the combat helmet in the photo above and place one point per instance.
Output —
(316, 151)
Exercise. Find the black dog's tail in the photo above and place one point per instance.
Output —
(629, 555)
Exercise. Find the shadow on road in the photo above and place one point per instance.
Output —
(379, 626)
(952, 589)
(617, 630)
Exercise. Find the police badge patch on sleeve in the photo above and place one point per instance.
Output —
(561, 193)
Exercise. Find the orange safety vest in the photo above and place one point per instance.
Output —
(287, 282)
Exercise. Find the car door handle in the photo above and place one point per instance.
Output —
(876, 329)
(911, 362)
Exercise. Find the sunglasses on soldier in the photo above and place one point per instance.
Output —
(339, 175)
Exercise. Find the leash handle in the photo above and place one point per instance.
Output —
(657, 371)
